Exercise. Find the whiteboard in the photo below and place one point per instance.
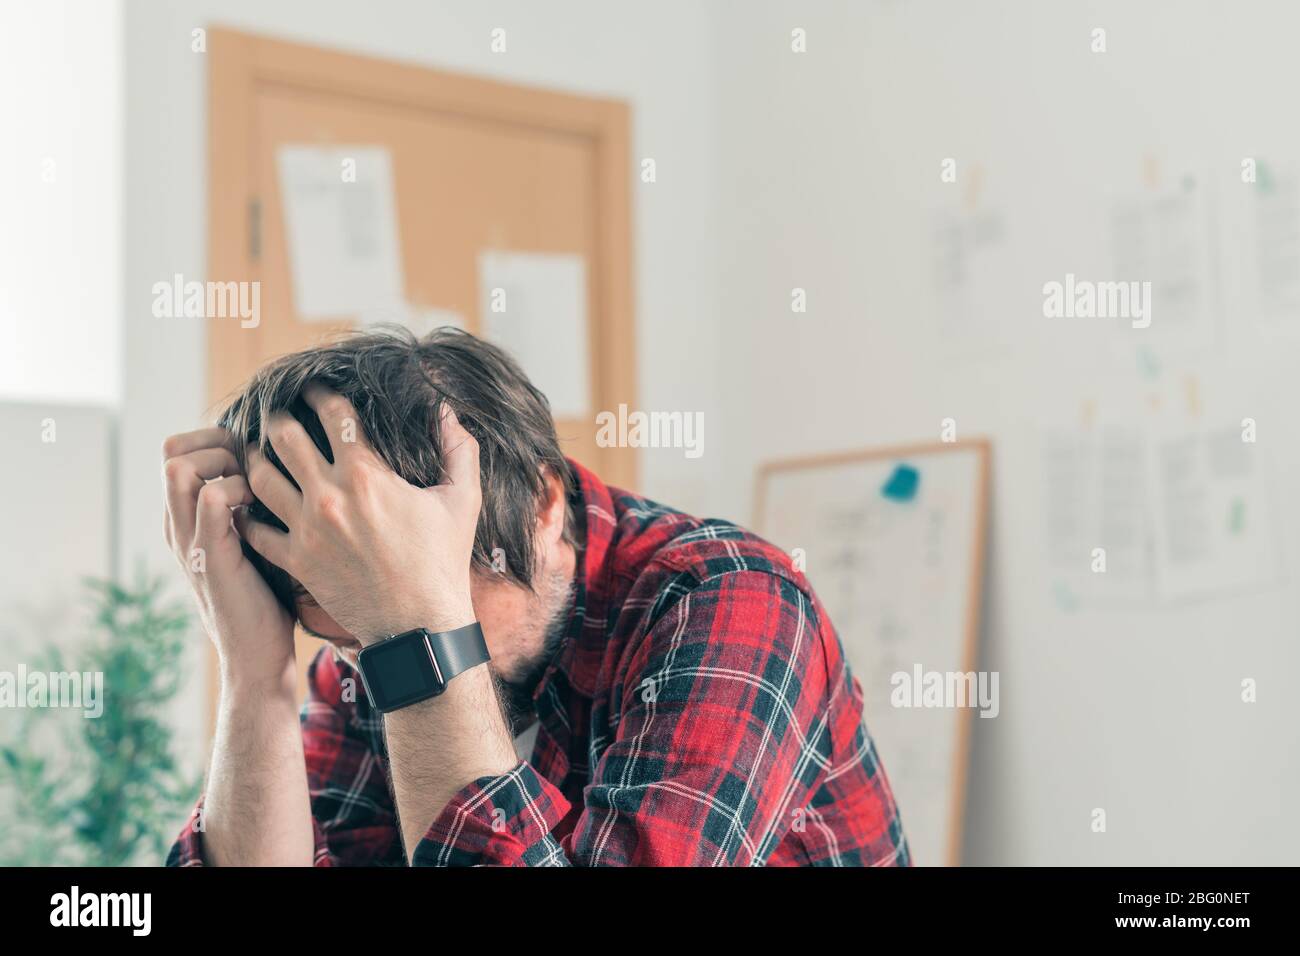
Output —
(899, 569)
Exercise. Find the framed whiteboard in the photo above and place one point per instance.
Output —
(893, 542)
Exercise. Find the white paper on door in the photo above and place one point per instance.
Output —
(534, 305)
(340, 221)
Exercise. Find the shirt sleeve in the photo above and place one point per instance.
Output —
(722, 739)
(353, 822)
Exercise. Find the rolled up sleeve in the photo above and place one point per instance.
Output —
(507, 820)
(188, 848)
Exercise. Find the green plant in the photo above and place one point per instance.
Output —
(106, 790)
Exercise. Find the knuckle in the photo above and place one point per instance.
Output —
(336, 406)
(171, 446)
(175, 469)
(330, 508)
(359, 480)
(257, 479)
(281, 432)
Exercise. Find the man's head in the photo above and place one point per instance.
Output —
(523, 548)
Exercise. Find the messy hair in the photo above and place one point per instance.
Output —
(398, 385)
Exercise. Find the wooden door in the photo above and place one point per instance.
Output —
(477, 166)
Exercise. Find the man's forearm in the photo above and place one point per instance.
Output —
(438, 746)
(256, 808)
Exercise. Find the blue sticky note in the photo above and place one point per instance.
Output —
(901, 485)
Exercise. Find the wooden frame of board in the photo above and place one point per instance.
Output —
(240, 63)
(975, 587)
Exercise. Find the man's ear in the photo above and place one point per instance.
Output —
(553, 510)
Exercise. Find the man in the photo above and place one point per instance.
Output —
(406, 501)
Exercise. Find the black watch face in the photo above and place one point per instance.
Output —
(399, 671)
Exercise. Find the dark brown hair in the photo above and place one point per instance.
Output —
(398, 384)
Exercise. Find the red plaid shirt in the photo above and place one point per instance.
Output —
(699, 712)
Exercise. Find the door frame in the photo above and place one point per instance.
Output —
(239, 63)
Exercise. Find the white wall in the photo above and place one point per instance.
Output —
(58, 528)
(60, 315)
(820, 171)
(829, 170)
(658, 57)
(60, 200)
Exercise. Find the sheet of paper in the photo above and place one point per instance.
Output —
(534, 305)
(1096, 484)
(1277, 243)
(1261, 248)
(969, 262)
(1214, 532)
(1163, 236)
(340, 218)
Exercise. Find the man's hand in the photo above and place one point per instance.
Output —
(256, 808)
(382, 556)
(252, 633)
(378, 554)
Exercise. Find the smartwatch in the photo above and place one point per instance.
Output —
(413, 666)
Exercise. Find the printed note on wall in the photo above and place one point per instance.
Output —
(1214, 530)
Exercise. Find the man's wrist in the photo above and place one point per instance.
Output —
(445, 743)
(438, 620)
(473, 696)
(244, 685)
